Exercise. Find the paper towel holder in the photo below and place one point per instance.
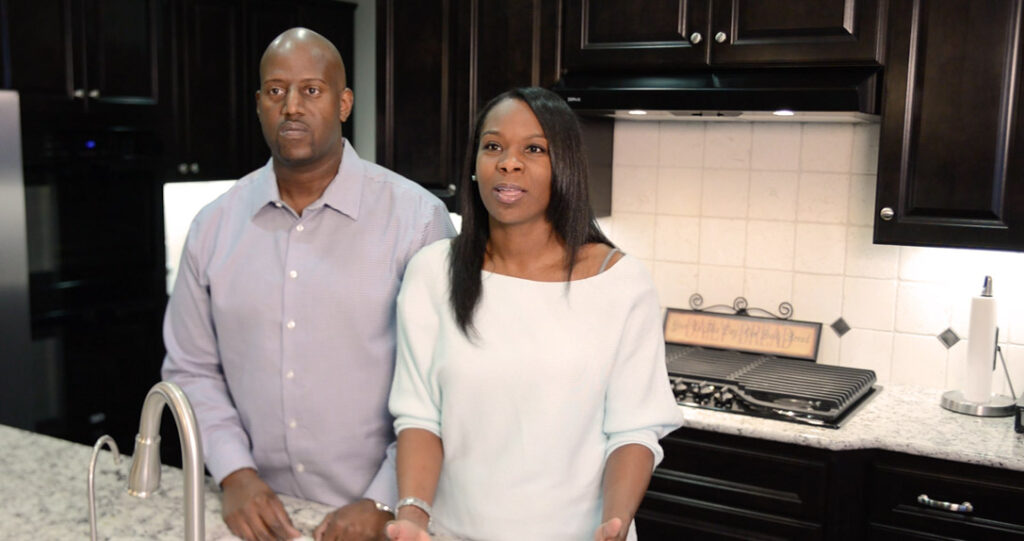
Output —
(997, 406)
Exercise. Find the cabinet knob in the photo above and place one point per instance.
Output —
(79, 93)
(194, 168)
(94, 93)
(183, 168)
(696, 38)
(721, 37)
(886, 213)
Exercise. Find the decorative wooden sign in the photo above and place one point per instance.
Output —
(780, 337)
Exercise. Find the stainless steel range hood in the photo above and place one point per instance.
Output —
(805, 94)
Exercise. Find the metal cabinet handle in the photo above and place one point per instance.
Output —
(696, 38)
(721, 37)
(94, 93)
(79, 93)
(194, 168)
(965, 507)
(887, 213)
(183, 168)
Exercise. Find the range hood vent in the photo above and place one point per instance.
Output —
(811, 93)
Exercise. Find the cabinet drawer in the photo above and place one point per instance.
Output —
(996, 496)
(664, 517)
(767, 477)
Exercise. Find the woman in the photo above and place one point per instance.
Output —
(529, 397)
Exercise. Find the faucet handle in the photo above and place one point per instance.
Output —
(144, 477)
(100, 443)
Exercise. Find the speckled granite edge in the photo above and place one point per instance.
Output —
(898, 418)
(43, 484)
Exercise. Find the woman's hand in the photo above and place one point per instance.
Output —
(612, 530)
(406, 530)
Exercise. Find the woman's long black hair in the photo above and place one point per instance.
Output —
(568, 210)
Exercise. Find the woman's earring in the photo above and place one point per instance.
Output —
(472, 177)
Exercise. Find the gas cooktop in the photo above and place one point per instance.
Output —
(767, 386)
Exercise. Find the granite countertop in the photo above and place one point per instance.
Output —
(44, 480)
(898, 418)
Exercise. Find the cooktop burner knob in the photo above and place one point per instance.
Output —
(726, 399)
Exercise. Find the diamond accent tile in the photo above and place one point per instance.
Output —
(948, 337)
(840, 326)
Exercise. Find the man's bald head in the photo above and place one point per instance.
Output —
(303, 40)
(302, 102)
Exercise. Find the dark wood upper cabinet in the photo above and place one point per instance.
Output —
(211, 95)
(415, 92)
(796, 32)
(441, 61)
(951, 156)
(641, 35)
(89, 56)
(218, 46)
(661, 35)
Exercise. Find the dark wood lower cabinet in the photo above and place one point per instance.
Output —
(718, 486)
(896, 482)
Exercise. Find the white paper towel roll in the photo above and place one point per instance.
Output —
(981, 344)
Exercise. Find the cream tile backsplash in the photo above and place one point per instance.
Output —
(783, 212)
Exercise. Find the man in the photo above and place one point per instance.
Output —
(280, 328)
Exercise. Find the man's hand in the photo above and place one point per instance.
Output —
(406, 530)
(357, 521)
(613, 530)
(252, 510)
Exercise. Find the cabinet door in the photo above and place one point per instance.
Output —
(643, 35)
(796, 32)
(951, 156)
(125, 57)
(416, 134)
(212, 98)
(45, 63)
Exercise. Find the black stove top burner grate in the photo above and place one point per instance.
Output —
(765, 385)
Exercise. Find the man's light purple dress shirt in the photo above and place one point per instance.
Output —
(281, 328)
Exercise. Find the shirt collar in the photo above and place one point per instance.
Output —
(342, 194)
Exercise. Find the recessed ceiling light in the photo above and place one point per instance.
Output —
(638, 112)
(783, 112)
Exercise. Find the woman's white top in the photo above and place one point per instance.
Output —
(556, 379)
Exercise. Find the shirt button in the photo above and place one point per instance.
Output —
(294, 274)
(290, 374)
(293, 423)
(290, 325)
(299, 227)
(300, 468)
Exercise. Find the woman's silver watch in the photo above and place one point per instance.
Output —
(415, 502)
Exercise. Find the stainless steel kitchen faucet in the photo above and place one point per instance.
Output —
(144, 477)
